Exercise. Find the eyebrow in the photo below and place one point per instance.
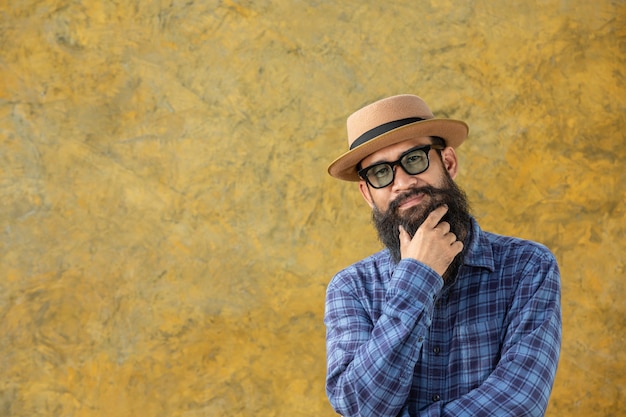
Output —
(360, 165)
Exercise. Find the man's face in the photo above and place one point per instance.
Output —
(411, 200)
(434, 176)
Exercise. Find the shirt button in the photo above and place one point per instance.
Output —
(436, 398)
(436, 350)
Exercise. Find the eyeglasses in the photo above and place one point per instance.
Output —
(413, 162)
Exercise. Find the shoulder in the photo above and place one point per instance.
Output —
(518, 249)
(510, 258)
(522, 263)
(366, 272)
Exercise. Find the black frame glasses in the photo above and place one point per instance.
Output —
(414, 161)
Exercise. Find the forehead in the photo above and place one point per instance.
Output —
(393, 152)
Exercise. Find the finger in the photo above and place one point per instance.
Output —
(405, 238)
(435, 216)
(458, 246)
(444, 227)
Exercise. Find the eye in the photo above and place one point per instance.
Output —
(380, 171)
(414, 159)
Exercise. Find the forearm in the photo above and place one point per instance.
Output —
(519, 386)
(370, 364)
(522, 380)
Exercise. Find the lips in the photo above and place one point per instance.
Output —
(411, 198)
(410, 201)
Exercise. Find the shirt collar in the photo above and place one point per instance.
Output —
(480, 252)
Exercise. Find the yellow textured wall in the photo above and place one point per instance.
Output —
(167, 228)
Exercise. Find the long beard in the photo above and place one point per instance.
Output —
(458, 216)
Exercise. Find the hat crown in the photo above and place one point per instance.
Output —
(383, 111)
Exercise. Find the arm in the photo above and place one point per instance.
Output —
(521, 383)
(371, 360)
(370, 364)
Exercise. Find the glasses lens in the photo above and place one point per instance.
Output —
(415, 162)
(380, 175)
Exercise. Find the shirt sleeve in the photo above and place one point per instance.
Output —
(522, 381)
(370, 365)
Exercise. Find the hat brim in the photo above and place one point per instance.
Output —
(454, 132)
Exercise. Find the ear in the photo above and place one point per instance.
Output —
(450, 162)
(365, 192)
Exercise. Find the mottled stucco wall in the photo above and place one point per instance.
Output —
(167, 228)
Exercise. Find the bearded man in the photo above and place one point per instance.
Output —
(448, 319)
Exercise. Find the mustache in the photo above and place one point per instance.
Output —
(428, 190)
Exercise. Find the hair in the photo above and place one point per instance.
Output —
(439, 141)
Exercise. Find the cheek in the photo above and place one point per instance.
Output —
(435, 177)
(375, 198)
(380, 200)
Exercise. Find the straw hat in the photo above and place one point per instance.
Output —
(390, 121)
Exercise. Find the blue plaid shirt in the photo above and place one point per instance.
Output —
(399, 343)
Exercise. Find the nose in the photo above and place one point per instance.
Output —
(403, 181)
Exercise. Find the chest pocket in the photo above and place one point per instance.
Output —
(475, 352)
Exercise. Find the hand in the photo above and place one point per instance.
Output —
(433, 243)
